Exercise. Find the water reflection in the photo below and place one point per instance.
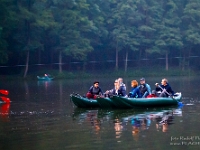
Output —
(133, 121)
(45, 84)
(90, 117)
(46, 119)
(4, 112)
(118, 128)
(93, 120)
(142, 122)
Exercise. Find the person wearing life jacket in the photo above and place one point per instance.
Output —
(145, 88)
(164, 88)
(135, 91)
(122, 87)
(113, 91)
(94, 91)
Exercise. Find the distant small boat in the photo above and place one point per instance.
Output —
(45, 78)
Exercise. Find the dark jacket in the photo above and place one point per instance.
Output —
(167, 88)
(95, 91)
(112, 92)
(145, 90)
(135, 92)
(122, 90)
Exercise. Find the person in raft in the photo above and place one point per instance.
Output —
(94, 91)
(164, 88)
(145, 88)
(122, 87)
(135, 92)
(47, 75)
(113, 91)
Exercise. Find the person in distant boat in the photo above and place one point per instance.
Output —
(122, 88)
(113, 91)
(145, 88)
(94, 91)
(46, 75)
(135, 92)
(164, 88)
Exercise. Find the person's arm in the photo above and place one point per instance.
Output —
(133, 92)
(112, 91)
(145, 94)
(139, 94)
(170, 90)
(123, 90)
(148, 88)
(100, 91)
(157, 87)
(90, 90)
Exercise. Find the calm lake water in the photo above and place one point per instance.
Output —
(42, 117)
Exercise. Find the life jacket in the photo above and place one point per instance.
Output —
(95, 90)
(122, 90)
(151, 96)
(143, 88)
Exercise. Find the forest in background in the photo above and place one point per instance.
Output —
(99, 34)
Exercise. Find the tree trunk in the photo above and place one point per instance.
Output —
(60, 61)
(188, 64)
(84, 66)
(39, 59)
(27, 62)
(126, 61)
(183, 63)
(28, 41)
(180, 60)
(116, 57)
(39, 56)
(166, 61)
(140, 57)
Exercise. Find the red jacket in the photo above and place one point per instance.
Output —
(151, 96)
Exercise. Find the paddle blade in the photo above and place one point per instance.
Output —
(5, 99)
(5, 92)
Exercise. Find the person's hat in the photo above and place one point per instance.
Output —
(142, 79)
(153, 92)
(96, 82)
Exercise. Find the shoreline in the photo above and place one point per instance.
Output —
(105, 73)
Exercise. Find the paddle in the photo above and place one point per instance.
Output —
(5, 99)
(5, 92)
(164, 90)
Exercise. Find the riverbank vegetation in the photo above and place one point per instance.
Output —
(143, 72)
(116, 36)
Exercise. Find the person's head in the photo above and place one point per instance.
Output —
(116, 83)
(154, 92)
(142, 81)
(134, 83)
(120, 80)
(164, 81)
(96, 84)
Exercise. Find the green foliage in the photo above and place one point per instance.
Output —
(77, 27)
(3, 52)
